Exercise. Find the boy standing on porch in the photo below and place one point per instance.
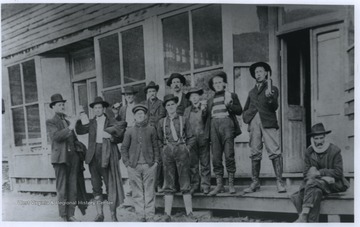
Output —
(222, 126)
(103, 157)
(140, 152)
(174, 136)
(260, 115)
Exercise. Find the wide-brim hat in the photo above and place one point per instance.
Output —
(265, 65)
(55, 99)
(151, 85)
(217, 74)
(99, 100)
(139, 107)
(194, 90)
(176, 75)
(170, 97)
(129, 90)
(318, 129)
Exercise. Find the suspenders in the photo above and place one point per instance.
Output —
(181, 137)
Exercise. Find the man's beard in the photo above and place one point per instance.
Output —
(324, 147)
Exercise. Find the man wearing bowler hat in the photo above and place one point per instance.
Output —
(176, 82)
(155, 112)
(222, 126)
(65, 159)
(140, 152)
(323, 174)
(260, 114)
(103, 157)
(195, 115)
(174, 135)
(125, 112)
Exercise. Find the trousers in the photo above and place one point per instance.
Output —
(98, 174)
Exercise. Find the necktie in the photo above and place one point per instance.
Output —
(173, 131)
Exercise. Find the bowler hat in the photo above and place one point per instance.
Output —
(55, 99)
(129, 90)
(99, 100)
(151, 85)
(318, 129)
(176, 75)
(217, 74)
(170, 97)
(194, 90)
(259, 64)
(139, 107)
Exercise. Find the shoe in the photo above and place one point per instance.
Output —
(194, 189)
(166, 218)
(72, 219)
(302, 218)
(99, 218)
(278, 169)
(219, 186)
(206, 191)
(191, 218)
(160, 189)
(255, 170)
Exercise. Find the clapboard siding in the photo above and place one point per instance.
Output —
(65, 23)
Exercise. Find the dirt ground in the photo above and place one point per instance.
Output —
(40, 207)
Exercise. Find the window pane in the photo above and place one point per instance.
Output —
(113, 96)
(207, 31)
(250, 33)
(30, 81)
(83, 98)
(293, 13)
(133, 55)
(176, 43)
(19, 126)
(33, 121)
(84, 62)
(140, 95)
(110, 60)
(15, 85)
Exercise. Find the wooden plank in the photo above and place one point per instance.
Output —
(97, 30)
(333, 218)
(71, 19)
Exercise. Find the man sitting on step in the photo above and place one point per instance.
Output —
(323, 174)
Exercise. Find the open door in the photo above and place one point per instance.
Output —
(295, 98)
(327, 80)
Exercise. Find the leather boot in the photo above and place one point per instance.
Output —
(113, 216)
(99, 209)
(219, 186)
(231, 183)
(255, 170)
(278, 169)
(302, 218)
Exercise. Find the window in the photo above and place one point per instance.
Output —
(24, 104)
(122, 63)
(193, 40)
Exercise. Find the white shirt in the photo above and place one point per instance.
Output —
(100, 128)
(129, 115)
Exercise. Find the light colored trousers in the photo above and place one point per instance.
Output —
(142, 183)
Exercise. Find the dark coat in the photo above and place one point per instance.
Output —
(182, 105)
(266, 106)
(187, 115)
(330, 165)
(233, 109)
(91, 128)
(129, 147)
(156, 111)
(60, 137)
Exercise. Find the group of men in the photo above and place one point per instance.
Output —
(166, 147)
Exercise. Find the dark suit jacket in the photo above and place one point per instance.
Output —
(91, 128)
(156, 111)
(60, 139)
(182, 105)
(233, 109)
(266, 106)
(150, 148)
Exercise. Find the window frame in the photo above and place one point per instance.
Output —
(192, 70)
(98, 66)
(84, 75)
(27, 148)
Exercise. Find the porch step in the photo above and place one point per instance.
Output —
(267, 199)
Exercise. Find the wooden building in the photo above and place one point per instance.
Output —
(86, 50)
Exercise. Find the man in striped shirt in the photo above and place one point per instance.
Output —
(222, 126)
